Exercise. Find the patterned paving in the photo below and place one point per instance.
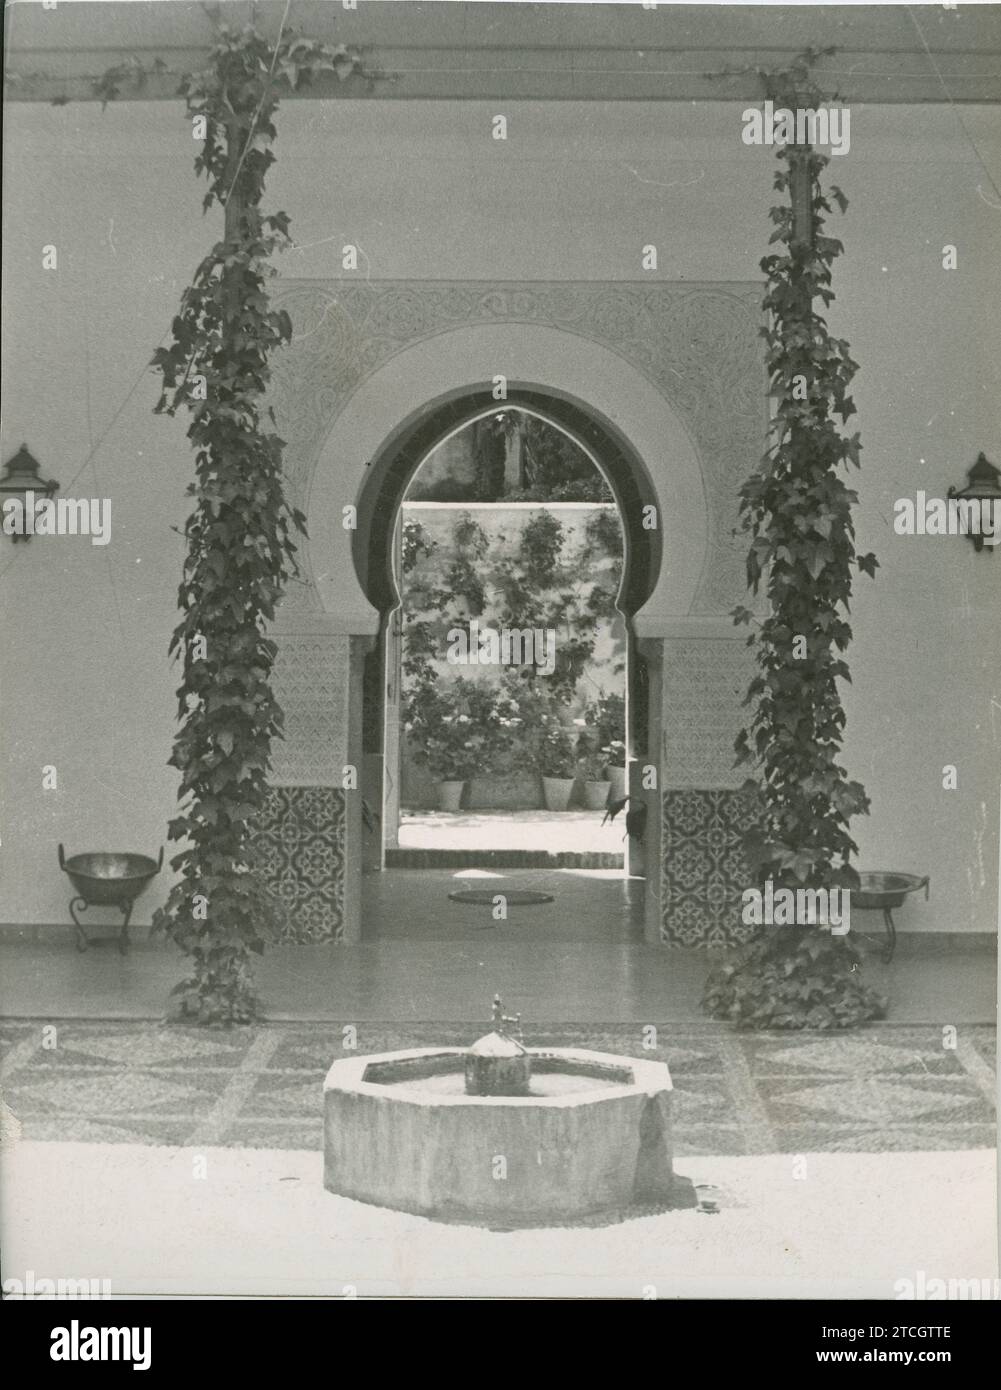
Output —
(885, 1088)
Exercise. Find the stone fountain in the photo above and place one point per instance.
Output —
(499, 1134)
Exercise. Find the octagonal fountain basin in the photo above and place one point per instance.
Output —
(591, 1137)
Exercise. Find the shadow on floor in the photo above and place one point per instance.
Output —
(589, 905)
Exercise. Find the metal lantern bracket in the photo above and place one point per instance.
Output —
(20, 477)
(983, 485)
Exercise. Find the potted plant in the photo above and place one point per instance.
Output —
(449, 742)
(608, 716)
(496, 779)
(555, 761)
(449, 761)
(591, 767)
(615, 769)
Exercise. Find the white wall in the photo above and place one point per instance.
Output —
(574, 193)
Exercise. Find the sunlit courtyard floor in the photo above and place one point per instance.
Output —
(558, 832)
(260, 1223)
(182, 1161)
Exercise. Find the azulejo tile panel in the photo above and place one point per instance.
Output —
(300, 844)
(703, 869)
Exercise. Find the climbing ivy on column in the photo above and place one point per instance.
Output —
(241, 531)
(797, 509)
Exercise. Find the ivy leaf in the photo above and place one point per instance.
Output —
(839, 197)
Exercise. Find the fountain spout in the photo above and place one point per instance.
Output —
(498, 1063)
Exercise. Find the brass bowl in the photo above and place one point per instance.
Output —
(110, 877)
(880, 889)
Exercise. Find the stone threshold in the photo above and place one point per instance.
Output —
(501, 859)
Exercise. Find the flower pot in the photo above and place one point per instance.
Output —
(596, 795)
(449, 795)
(556, 792)
(616, 783)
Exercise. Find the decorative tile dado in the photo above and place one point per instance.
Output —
(311, 685)
(300, 848)
(696, 343)
(704, 683)
(704, 870)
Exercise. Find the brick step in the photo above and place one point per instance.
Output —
(500, 859)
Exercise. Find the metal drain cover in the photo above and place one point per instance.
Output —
(514, 897)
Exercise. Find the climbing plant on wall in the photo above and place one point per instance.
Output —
(241, 530)
(538, 581)
(432, 607)
(797, 510)
(421, 640)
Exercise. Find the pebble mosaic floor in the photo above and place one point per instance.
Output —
(887, 1088)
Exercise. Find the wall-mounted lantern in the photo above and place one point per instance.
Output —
(983, 488)
(983, 491)
(21, 480)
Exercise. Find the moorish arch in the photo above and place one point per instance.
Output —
(388, 478)
(664, 385)
(390, 473)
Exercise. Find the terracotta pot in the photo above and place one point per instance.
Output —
(596, 795)
(449, 795)
(616, 783)
(556, 792)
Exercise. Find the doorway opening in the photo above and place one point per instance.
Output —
(505, 698)
(508, 738)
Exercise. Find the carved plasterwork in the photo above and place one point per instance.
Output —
(696, 343)
(311, 685)
(704, 683)
(698, 347)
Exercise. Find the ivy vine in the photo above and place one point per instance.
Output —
(242, 532)
(797, 510)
